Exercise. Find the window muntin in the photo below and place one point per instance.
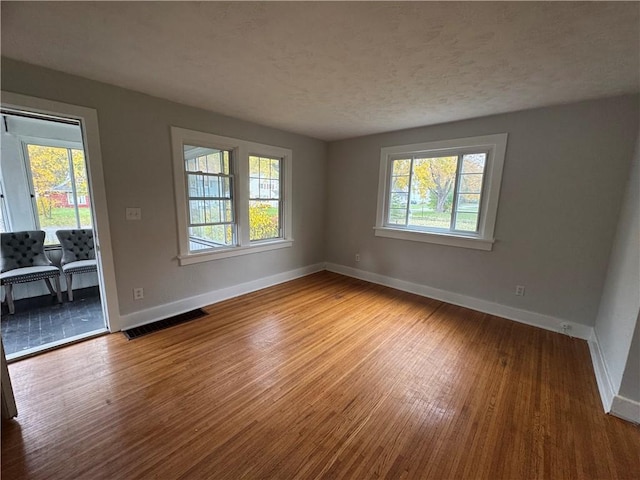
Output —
(208, 174)
(441, 192)
(265, 202)
(58, 178)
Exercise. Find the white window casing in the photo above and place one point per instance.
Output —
(495, 148)
(241, 149)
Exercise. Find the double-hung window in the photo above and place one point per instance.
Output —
(441, 192)
(233, 196)
(209, 181)
(265, 202)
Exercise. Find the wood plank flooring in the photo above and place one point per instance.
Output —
(324, 377)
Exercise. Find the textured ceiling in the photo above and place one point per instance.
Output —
(338, 70)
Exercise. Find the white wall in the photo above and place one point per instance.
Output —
(136, 152)
(620, 304)
(563, 182)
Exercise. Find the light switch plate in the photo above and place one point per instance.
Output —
(134, 213)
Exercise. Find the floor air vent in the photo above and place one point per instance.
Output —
(138, 332)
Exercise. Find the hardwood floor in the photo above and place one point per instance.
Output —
(321, 377)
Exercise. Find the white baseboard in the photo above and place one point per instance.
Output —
(617, 405)
(626, 409)
(605, 387)
(143, 317)
(522, 316)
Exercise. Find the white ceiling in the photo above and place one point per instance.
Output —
(335, 70)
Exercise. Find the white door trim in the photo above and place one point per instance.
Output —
(88, 118)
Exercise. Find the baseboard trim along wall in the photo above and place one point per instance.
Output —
(626, 409)
(522, 316)
(617, 405)
(142, 317)
(603, 379)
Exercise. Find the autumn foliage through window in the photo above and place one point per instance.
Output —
(437, 192)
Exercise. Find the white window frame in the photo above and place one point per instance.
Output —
(25, 141)
(242, 149)
(279, 199)
(231, 176)
(483, 239)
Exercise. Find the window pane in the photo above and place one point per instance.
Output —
(207, 160)
(254, 166)
(474, 162)
(398, 208)
(397, 216)
(210, 211)
(210, 236)
(275, 169)
(53, 185)
(466, 221)
(469, 202)
(208, 186)
(468, 210)
(400, 184)
(401, 167)
(432, 187)
(254, 187)
(264, 178)
(264, 220)
(470, 183)
(401, 173)
(82, 188)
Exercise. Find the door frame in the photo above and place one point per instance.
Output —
(88, 118)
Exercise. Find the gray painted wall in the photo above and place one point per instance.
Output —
(136, 152)
(620, 304)
(564, 177)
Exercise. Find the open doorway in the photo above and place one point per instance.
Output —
(46, 185)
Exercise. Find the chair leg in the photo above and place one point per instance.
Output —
(49, 286)
(69, 278)
(9, 294)
(58, 289)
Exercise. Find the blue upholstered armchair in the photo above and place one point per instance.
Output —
(23, 260)
(78, 254)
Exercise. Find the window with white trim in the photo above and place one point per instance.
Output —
(232, 196)
(210, 197)
(442, 192)
(265, 202)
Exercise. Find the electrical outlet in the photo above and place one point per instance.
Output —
(520, 290)
(357, 257)
(138, 293)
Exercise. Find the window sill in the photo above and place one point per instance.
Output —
(210, 255)
(438, 238)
